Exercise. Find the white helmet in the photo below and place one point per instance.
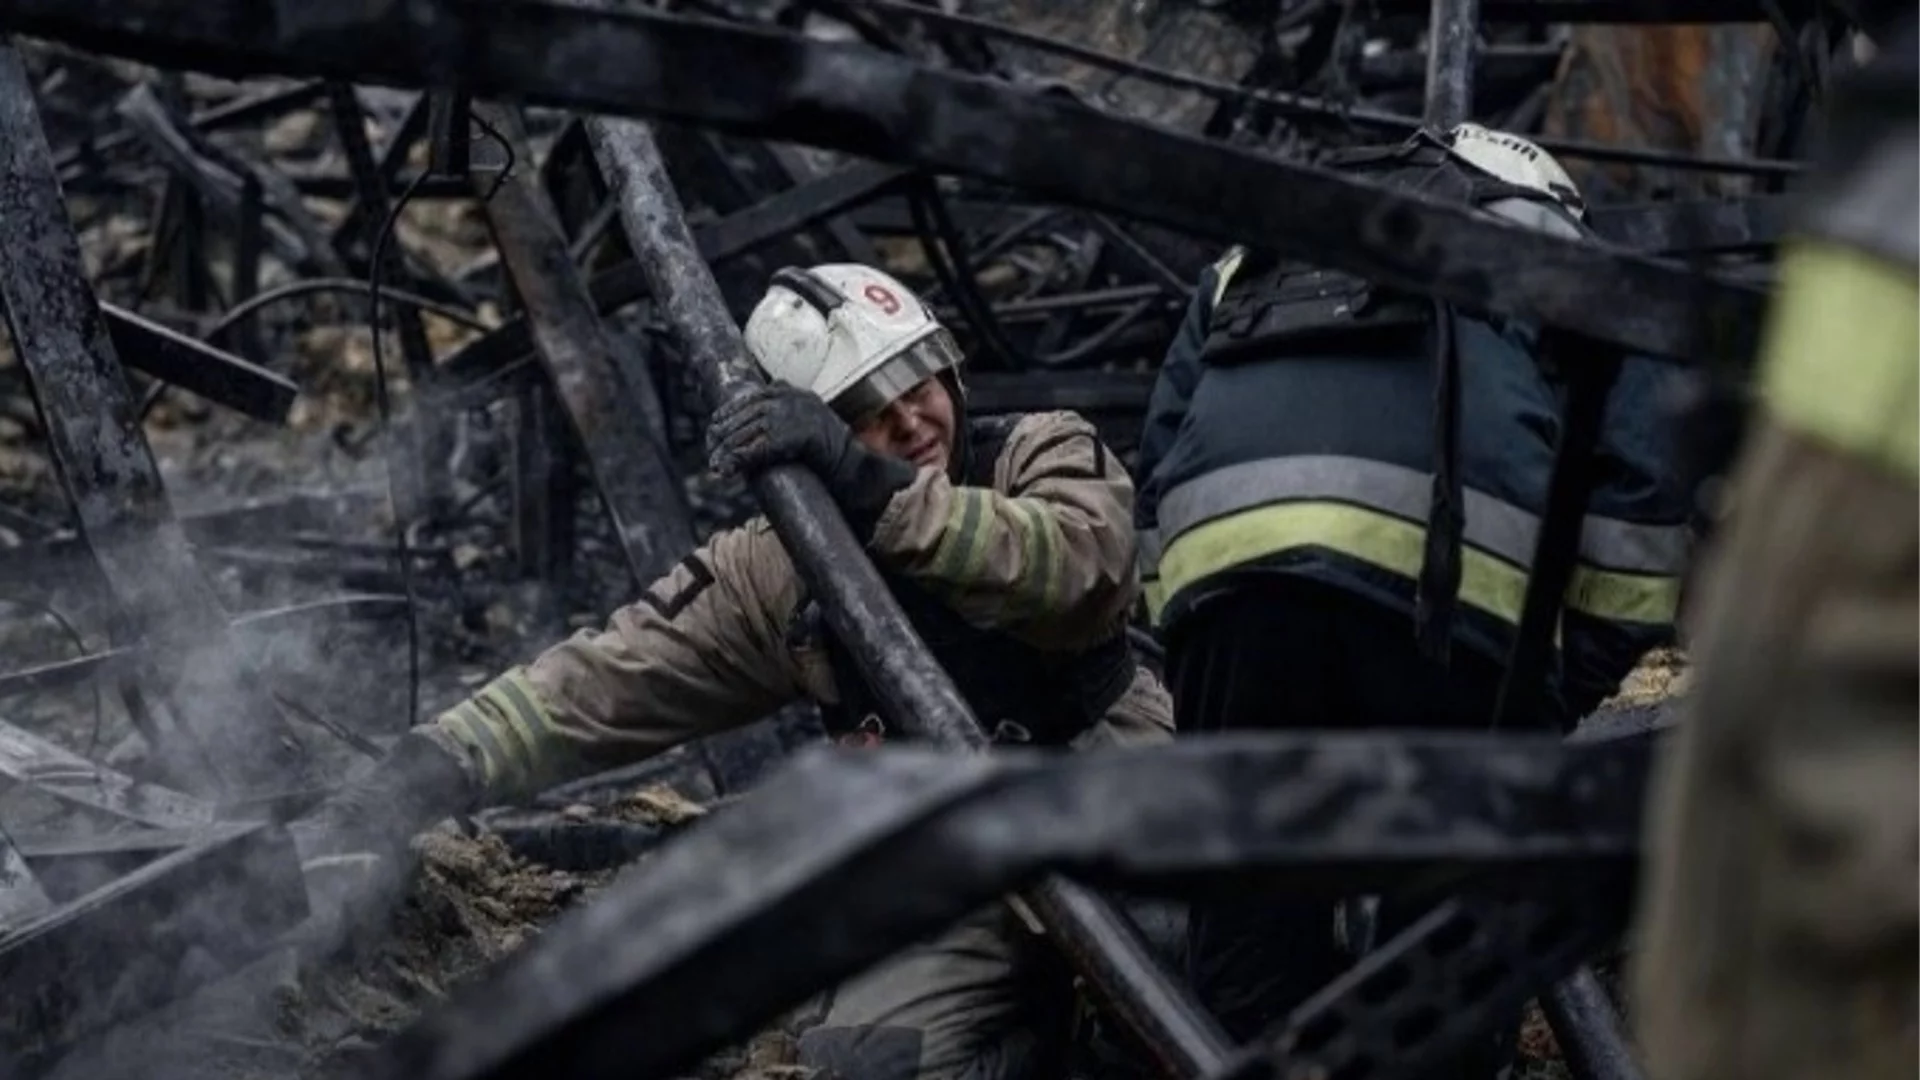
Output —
(849, 333)
(1521, 163)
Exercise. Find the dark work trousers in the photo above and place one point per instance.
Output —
(1291, 654)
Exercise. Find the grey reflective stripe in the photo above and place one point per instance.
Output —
(1491, 525)
(1612, 544)
(1498, 528)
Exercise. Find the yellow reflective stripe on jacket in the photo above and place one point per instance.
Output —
(1386, 541)
(507, 730)
(1618, 597)
(1842, 359)
(1044, 558)
(1492, 525)
(1490, 584)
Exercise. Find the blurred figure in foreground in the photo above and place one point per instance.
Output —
(1781, 917)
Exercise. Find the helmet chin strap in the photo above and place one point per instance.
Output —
(960, 457)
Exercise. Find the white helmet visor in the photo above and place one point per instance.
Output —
(899, 373)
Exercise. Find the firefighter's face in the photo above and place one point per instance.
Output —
(917, 426)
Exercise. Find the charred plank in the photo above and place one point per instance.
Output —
(719, 242)
(212, 373)
(1700, 226)
(847, 856)
(147, 939)
(610, 416)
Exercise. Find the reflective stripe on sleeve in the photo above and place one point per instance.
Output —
(1842, 355)
(963, 545)
(506, 729)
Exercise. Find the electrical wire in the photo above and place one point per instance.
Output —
(313, 285)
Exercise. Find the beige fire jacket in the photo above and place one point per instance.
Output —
(1046, 554)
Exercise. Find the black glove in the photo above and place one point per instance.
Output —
(780, 424)
(417, 783)
(355, 850)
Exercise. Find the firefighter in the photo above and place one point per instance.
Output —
(1008, 542)
(1305, 430)
(1780, 916)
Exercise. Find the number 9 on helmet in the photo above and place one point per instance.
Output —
(853, 335)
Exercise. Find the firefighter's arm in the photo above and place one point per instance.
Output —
(1049, 550)
(700, 651)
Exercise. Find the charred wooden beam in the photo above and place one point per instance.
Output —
(106, 465)
(881, 105)
(192, 365)
(73, 865)
(26, 758)
(148, 938)
(1457, 975)
(238, 113)
(543, 485)
(218, 177)
(1699, 226)
(327, 185)
(619, 423)
(358, 221)
(844, 857)
(1453, 31)
(419, 453)
(719, 241)
(217, 186)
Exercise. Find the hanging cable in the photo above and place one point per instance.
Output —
(384, 410)
(303, 288)
(375, 266)
(313, 285)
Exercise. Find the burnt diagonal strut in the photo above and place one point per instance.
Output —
(109, 470)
